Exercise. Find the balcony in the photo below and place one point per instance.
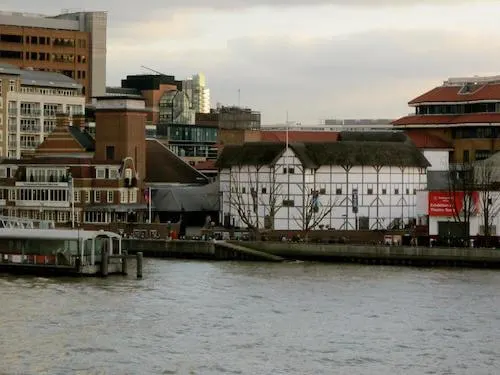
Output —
(12, 111)
(31, 113)
(30, 130)
(12, 128)
(50, 114)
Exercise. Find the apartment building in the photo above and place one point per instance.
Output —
(73, 44)
(29, 102)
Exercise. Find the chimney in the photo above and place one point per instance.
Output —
(62, 120)
(79, 121)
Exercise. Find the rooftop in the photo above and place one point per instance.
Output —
(460, 92)
(449, 120)
(39, 78)
(352, 148)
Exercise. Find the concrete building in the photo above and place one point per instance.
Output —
(29, 103)
(367, 180)
(73, 44)
(463, 112)
(198, 92)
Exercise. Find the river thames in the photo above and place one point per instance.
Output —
(253, 318)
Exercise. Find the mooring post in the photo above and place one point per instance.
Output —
(139, 265)
(124, 263)
(104, 263)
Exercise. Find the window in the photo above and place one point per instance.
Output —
(111, 196)
(288, 203)
(284, 170)
(3, 173)
(264, 190)
(87, 196)
(244, 190)
(414, 191)
(100, 173)
(110, 152)
(291, 170)
(77, 195)
(322, 190)
(113, 174)
(12, 85)
(133, 196)
(97, 196)
(396, 191)
(482, 154)
(369, 191)
(466, 156)
(338, 191)
(124, 196)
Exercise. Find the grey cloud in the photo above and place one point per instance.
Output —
(123, 11)
(363, 75)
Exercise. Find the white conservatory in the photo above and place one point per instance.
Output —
(363, 181)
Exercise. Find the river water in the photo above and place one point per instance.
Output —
(253, 318)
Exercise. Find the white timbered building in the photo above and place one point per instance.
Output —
(363, 181)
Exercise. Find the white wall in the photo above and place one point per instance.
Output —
(384, 195)
(20, 97)
(439, 159)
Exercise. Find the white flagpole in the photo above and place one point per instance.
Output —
(286, 131)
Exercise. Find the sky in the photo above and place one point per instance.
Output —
(314, 60)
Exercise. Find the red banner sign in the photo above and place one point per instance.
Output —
(443, 203)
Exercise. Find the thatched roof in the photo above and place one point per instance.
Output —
(252, 153)
(350, 153)
(374, 136)
(396, 152)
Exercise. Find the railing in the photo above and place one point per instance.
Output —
(36, 129)
(31, 113)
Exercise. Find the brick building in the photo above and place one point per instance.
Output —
(74, 178)
(73, 44)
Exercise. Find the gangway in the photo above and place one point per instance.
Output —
(17, 222)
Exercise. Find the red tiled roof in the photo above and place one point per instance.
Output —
(298, 136)
(424, 140)
(473, 118)
(206, 165)
(452, 94)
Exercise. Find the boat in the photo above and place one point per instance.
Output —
(37, 247)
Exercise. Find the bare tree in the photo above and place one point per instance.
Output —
(313, 212)
(247, 198)
(461, 191)
(486, 184)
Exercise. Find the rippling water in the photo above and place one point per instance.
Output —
(248, 318)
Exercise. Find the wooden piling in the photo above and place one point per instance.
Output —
(124, 263)
(139, 265)
(104, 263)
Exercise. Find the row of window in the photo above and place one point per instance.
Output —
(62, 195)
(370, 190)
(43, 40)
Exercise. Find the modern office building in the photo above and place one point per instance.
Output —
(73, 44)
(29, 103)
(198, 92)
